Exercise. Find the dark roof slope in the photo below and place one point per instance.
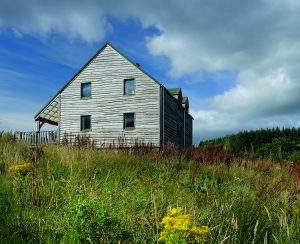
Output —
(185, 99)
(174, 91)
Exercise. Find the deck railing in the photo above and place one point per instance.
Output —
(79, 140)
(37, 137)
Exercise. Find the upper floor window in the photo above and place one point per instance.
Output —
(86, 90)
(129, 87)
(85, 123)
(129, 121)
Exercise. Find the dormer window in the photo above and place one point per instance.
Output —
(86, 90)
(129, 87)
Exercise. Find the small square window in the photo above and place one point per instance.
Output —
(129, 87)
(85, 90)
(129, 121)
(85, 123)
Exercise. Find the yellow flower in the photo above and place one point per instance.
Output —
(22, 168)
(200, 230)
(197, 233)
(175, 211)
(178, 228)
(183, 222)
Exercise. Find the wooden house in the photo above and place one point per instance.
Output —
(111, 97)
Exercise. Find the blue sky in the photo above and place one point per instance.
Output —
(238, 62)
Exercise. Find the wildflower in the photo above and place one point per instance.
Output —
(197, 233)
(22, 168)
(178, 228)
(176, 211)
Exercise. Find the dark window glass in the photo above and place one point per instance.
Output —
(85, 122)
(178, 130)
(85, 90)
(129, 87)
(128, 120)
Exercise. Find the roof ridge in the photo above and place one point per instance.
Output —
(87, 63)
(73, 77)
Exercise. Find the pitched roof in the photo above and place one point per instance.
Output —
(50, 112)
(174, 91)
(85, 65)
(185, 100)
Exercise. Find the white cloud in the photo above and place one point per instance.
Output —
(72, 19)
(260, 95)
(263, 101)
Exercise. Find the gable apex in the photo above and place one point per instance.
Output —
(137, 65)
(73, 77)
(89, 62)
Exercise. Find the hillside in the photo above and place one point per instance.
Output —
(275, 144)
(60, 194)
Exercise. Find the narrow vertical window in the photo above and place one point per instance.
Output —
(86, 90)
(85, 123)
(177, 130)
(129, 121)
(129, 87)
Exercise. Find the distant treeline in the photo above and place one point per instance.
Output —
(272, 143)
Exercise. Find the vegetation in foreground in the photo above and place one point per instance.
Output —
(74, 195)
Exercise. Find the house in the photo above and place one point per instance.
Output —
(112, 97)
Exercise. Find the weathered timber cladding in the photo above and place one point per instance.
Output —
(173, 117)
(108, 104)
(188, 130)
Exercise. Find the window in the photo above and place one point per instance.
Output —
(129, 121)
(86, 90)
(85, 123)
(129, 87)
(177, 130)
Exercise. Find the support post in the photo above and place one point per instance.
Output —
(39, 125)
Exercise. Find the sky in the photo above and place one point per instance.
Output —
(237, 61)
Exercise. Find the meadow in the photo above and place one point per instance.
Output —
(61, 194)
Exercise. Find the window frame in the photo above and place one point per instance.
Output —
(124, 87)
(81, 90)
(81, 123)
(124, 122)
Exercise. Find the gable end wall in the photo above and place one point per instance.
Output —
(108, 104)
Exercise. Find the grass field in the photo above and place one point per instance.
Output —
(73, 195)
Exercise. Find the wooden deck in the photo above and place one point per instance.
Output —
(37, 137)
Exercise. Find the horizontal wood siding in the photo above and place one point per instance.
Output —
(108, 104)
(173, 115)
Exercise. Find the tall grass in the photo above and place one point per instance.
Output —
(89, 195)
